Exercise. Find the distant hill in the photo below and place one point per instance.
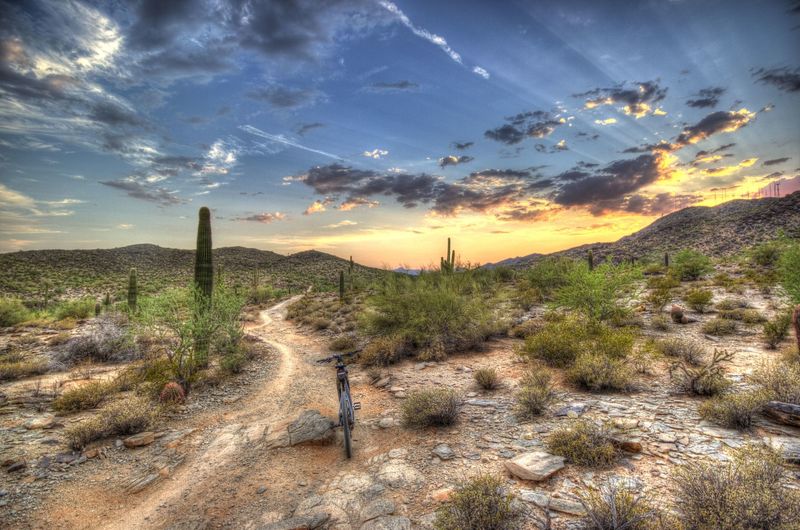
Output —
(719, 230)
(96, 271)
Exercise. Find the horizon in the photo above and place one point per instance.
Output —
(377, 129)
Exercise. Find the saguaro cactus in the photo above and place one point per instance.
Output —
(97, 309)
(448, 262)
(590, 260)
(133, 291)
(351, 264)
(666, 259)
(203, 264)
(796, 322)
(341, 286)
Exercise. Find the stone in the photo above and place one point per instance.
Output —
(786, 413)
(558, 504)
(573, 410)
(310, 521)
(382, 382)
(42, 422)
(16, 466)
(139, 440)
(399, 475)
(386, 423)
(631, 445)
(442, 495)
(377, 508)
(310, 427)
(392, 522)
(481, 403)
(444, 452)
(261, 490)
(534, 465)
(787, 446)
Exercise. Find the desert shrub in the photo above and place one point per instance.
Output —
(699, 299)
(320, 323)
(383, 351)
(660, 322)
(766, 254)
(487, 378)
(659, 297)
(233, 362)
(77, 309)
(729, 304)
(172, 394)
(744, 494)
(18, 368)
(584, 443)
(480, 504)
(83, 397)
(558, 343)
(105, 341)
(544, 278)
(12, 312)
(597, 293)
(690, 351)
(431, 407)
(442, 311)
(780, 381)
(690, 265)
(81, 434)
(616, 507)
(706, 379)
(748, 316)
(612, 343)
(342, 343)
(597, 372)
(527, 328)
(734, 410)
(535, 394)
(790, 271)
(775, 330)
(128, 416)
(719, 326)
(644, 357)
(263, 294)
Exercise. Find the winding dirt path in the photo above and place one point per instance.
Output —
(224, 460)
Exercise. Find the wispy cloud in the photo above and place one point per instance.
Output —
(283, 140)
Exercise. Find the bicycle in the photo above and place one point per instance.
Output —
(347, 408)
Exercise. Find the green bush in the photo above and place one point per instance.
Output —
(690, 265)
(83, 397)
(777, 329)
(790, 271)
(618, 508)
(748, 316)
(431, 407)
(734, 410)
(129, 416)
(766, 254)
(660, 322)
(77, 309)
(598, 372)
(480, 504)
(544, 278)
(690, 351)
(730, 304)
(597, 293)
(746, 493)
(447, 311)
(699, 299)
(12, 312)
(719, 326)
(344, 343)
(233, 362)
(383, 351)
(584, 443)
(487, 378)
(535, 394)
(558, 343)
(14, 366)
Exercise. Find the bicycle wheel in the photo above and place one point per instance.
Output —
(344, 412)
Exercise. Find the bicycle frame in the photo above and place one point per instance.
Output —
(345, 400)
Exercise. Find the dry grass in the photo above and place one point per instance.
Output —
(535, 394)
(487, 378)
(431, 407)
(584, 443)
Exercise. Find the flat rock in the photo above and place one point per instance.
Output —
(378, 508)
(543, 500)
(41, 422)
(310, 427)
(303, 522)
(139, 440)
(392, 522)
(534, 465)
(572, 410)
(398, 475)
(444, 452)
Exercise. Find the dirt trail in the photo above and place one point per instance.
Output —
(225, 445)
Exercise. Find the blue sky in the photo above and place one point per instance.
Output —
(377, 129)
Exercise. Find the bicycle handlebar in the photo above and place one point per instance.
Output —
(336, 357)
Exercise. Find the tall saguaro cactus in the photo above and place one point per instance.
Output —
(590, 260)
(133, 291)
(341, 286)
(203, 265)
(448, 262)
(666, 259)
(796, 323)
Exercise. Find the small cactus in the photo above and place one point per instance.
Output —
(133, 291)
(172, 393)
(97, 309)
(590, 260)
(666, 259)
(341, 286)
(351, 265)
(107, 299)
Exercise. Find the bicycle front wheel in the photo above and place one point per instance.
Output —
(348, 444)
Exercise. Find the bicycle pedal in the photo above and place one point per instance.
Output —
(357, 406)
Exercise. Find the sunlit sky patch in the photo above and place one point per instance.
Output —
(377, 129)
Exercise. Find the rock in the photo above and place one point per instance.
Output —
(444, 452)
(139, 483)
(261, 490)
(91, 453)
(139, 440)
(573, 410)
(392, 522)
(535, 465)
(42, 422)
(786, 413)
(310, 427)
(442, 495)
(303, 522)
(631, 445)
(16, 466)
(399, 475)
(787, 446)
(543, 500)
(382, 382)
(377, 508)
(386, 423)
(481, 403)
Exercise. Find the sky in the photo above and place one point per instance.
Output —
(378, 128)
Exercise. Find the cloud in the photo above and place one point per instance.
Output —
(775, 161)
(706, 98)
(318, 206)
(454, 160)
(340, 224)
(533, 124)
(376, 153)
(637, 100)
(607, 121)
(462, 146)
(422, 33)
(281, 97)
(720, 121)
(393, 86)
(136, 189)
(282, 140)
(303, 128)
(786, 79)
(264, 217)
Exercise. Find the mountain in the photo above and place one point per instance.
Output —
(97, 271)
(719, 230)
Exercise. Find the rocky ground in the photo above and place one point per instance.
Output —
(253, 453)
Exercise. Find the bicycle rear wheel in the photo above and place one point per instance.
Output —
(345, 415)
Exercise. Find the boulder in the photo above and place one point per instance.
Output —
(139, 440)
(310, 427)
(391, 522)
(544, 500)
(786, 413)
(444, 452)
(41, 422)
(534, 465)
(302, 522)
